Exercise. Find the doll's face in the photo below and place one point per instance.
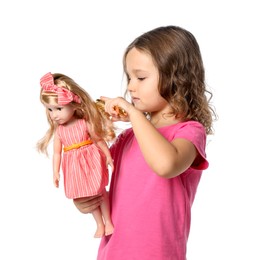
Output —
(60, 114)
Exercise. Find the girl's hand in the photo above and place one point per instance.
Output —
(88, 204)
(118, 108)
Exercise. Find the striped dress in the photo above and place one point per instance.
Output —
(84, 169)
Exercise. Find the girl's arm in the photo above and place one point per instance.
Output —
(167, 159)
(57, 151)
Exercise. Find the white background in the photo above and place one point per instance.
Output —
(86, 40)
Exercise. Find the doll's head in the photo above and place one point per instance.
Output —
(62, 90)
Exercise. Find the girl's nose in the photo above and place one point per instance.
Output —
(131, 86)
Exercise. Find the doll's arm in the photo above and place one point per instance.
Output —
(57, 146)
(104, 147)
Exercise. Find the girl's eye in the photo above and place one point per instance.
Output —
(141, 79)
(49, 109)
(59, 108)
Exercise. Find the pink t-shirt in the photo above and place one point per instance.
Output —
(151, 215)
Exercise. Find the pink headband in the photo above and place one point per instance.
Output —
(65, 96)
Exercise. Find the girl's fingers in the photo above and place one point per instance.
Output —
(113, 107)
(104, 98)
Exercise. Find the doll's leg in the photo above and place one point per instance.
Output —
(100, 224)
(105, 209)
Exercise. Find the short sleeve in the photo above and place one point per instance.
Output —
(195, 133)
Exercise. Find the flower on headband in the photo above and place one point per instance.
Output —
(65, 96)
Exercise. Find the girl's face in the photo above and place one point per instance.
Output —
(60, 114)
(143, 79)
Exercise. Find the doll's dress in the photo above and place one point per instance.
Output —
(84, 169)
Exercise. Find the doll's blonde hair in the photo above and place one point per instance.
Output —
(100, 124)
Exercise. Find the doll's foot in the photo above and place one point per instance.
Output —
(109, 229)
(100, 232)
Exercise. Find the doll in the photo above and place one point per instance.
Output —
(79, 129)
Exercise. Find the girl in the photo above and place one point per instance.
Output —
(78, 126)
(160, 159)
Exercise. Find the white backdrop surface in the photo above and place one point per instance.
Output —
(86, 40)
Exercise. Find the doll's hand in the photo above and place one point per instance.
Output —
(110, 163)
(56, 179)
(88, 204)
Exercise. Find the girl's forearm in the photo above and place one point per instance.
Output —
(161, 155)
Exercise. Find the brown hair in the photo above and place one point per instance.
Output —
(177, 57)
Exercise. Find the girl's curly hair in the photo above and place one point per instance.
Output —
(177, 56)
